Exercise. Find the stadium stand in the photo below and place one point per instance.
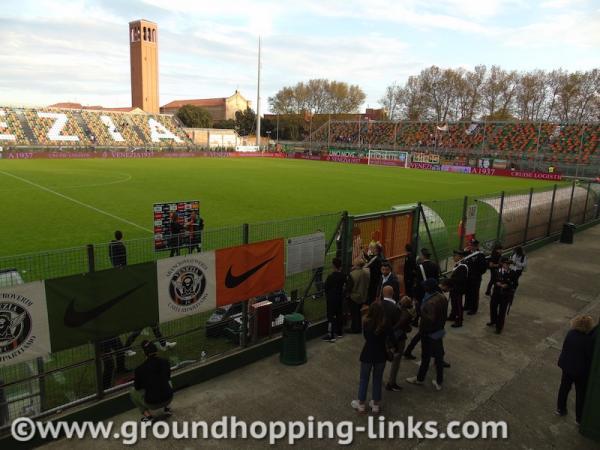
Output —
(551, 142)
(53, 127)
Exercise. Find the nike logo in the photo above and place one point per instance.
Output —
(233, 281)
(74, 318)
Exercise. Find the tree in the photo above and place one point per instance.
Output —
(228, 124)
(194, 116)
(318, 96)
(245, 122)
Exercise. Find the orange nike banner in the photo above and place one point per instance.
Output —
(249, 270)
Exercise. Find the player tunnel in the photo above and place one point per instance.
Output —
(543, 217)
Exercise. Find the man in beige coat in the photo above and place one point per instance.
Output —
(357, 291)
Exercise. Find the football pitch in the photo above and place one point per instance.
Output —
(51, 204)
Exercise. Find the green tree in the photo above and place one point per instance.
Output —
(245, 122)
(228, 124)
(194, 116)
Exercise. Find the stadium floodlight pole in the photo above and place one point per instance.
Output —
(258, 100)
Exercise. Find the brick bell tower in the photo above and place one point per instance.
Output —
(143, 57)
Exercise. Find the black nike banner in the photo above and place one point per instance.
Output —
(100, 305)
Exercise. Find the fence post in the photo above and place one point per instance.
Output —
(41, 374)
(528, 216)
(587, 196)
(344, 241)
(499, 228)
(463, 222)
(97, 346)
(571, 201)
(549, 230)
(244, 331)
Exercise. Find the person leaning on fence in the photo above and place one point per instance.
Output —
(117, 252)
(372, 358)
(575, 361)
(152, 388)
(334, 295)
(357, 288)
(502, 294)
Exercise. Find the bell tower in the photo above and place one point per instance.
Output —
(143, 57)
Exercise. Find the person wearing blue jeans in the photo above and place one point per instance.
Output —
(372, 358)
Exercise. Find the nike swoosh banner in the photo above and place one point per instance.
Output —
(186, 285)
(24, 331)
(249, 271)
(100, 305)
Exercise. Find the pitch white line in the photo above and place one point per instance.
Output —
(66, 197)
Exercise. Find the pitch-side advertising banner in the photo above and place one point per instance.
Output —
(249, 271)
(24, 330)
(186, 285)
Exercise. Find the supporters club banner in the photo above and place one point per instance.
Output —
(249, 271)
(24, 329)
(101, 305)
(186, 285)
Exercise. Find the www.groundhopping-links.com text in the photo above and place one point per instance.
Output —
(377, 428)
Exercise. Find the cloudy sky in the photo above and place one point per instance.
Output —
(58, 50)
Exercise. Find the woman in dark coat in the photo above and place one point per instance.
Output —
(575, 361)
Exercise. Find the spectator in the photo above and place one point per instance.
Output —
(426, 268)
(433, 320)
(117, 252)
(357, 290)
(164, 344)
(519, 263)
(195, 227)
(111, 350)
(399, 335)
(372, 358)
(575, 361)
(334, 294)
(374, 265)
(410, 271)
(389, 278)
(152, 389)
(174, 234)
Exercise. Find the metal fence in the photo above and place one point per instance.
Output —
(43, 386)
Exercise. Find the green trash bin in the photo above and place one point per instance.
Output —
(293, 342)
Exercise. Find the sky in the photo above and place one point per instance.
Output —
(57, 50)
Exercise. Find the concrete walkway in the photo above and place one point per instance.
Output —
(511, 377)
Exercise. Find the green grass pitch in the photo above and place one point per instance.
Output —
(50, 204)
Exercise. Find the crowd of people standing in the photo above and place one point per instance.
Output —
(372, 295)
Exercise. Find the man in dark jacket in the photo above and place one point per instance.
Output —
(152, 388)
(426, 268)
(434, 312)
(459, 277)
(575, 361)
(494, 265)
(410, 271)
(477, 265)
(502, 294)
(334, 294)
(117, 251)
(389, 278)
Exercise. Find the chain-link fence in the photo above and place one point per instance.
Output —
(64, 378)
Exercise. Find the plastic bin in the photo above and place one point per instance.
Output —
(293, 342)
(568, 230)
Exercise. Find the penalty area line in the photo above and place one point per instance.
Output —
(71, 199)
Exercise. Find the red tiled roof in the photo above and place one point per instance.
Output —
(196, 102)
(71, 105)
